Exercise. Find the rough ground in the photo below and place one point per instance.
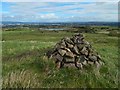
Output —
(24, 64)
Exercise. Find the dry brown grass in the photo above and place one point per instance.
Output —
(21, 79)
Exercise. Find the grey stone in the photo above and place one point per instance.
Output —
(62, 52)
(58, 57)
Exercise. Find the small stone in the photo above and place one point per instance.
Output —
(62, 52)
(93, 58)
(84, 51)
(90, 62)
(76, 49)
(69, 54)
(58, 57)
(84, 63)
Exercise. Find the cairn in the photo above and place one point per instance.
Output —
(74, 50)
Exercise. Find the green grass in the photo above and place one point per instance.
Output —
(33, 35)
(23, 60)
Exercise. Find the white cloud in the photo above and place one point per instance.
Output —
(49, 16)
(99, 11)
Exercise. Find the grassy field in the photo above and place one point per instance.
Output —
(24, 64)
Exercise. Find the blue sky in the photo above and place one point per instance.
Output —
(59, 11)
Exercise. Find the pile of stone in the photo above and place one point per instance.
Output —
(74, 50)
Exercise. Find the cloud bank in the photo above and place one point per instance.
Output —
(59, 11)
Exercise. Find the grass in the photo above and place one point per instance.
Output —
(21, 79)
(25, 66)
(33, 35)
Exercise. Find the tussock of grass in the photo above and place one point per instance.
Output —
(21, 79)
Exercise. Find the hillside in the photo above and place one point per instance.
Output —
(24, 63)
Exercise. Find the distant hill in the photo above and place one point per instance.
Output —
(65, 23)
